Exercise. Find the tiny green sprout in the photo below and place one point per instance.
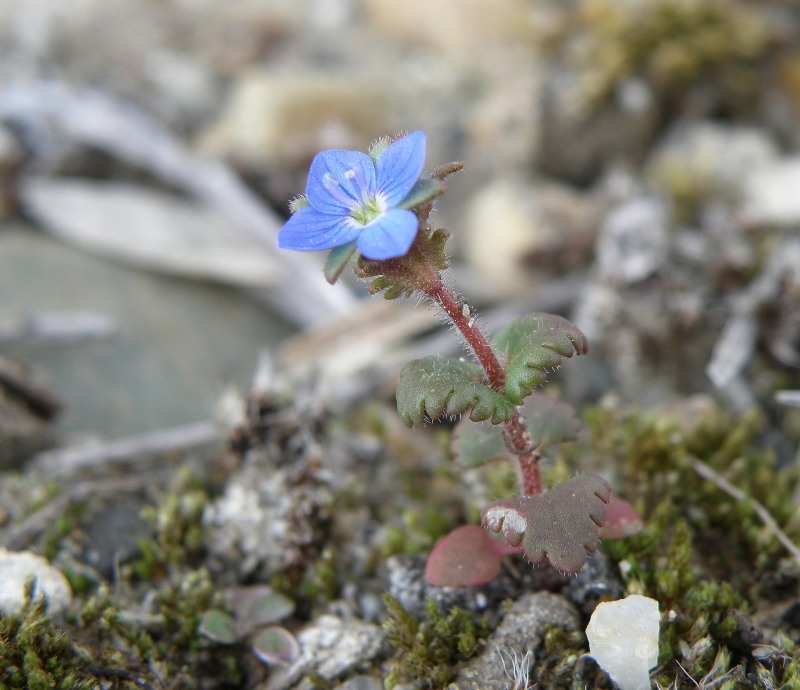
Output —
(373, 212)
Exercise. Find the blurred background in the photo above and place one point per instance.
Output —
(631, 164)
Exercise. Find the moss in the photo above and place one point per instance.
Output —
(671, 43)
(169, 646)
(37, 655)
(428, 650)
(320, 581)
(654, 454)
(556, 662)
(695, 534)
(61, 528)
(135, 649)
(421, 528)
(179, 532)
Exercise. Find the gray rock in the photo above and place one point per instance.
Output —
(362, 683)
(597, 581)
(708, 159)
(771, 195)
(633, 241)
(179, 341)
(406, 583)
(15, 571)
(579, 137)
(113, 533)
(516, 641)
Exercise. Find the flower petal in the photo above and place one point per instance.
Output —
(399, 167)
(339, 180)
(309, 230)
(389, 236)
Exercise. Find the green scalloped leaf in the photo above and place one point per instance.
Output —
(531, 346)
(337, 261)
(474, 445)
(548, 419)
(435, 387)
(423, 190)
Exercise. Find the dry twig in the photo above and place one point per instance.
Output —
(127, 451)
(718, 480)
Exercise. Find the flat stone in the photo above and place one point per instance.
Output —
(771, 193)
(180, 342)
(516, 640)
(15, 571)
(329, 647)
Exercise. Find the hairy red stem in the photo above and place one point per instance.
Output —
(518, 439)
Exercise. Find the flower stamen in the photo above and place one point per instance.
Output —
(337, 190)
(362, 188)
(369, 209)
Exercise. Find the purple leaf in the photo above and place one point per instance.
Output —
(255, 606)
(465, 558)
(560, 526)
(622, 520)
(275, 645)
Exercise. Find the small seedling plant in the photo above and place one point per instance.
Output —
(372, 211)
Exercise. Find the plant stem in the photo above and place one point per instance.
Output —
(518, 439)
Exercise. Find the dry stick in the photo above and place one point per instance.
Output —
(707, 473)
(22, 535)
(131, 450)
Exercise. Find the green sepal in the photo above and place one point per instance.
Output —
(392, 287)
(425, 189)
(377, 147)
(434, 387)
(400, 277)
(531, 346)
(299, 202)
(337, 261)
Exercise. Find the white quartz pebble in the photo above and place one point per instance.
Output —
(623, 638)
(17, 568)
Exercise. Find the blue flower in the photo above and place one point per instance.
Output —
(351, 197)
